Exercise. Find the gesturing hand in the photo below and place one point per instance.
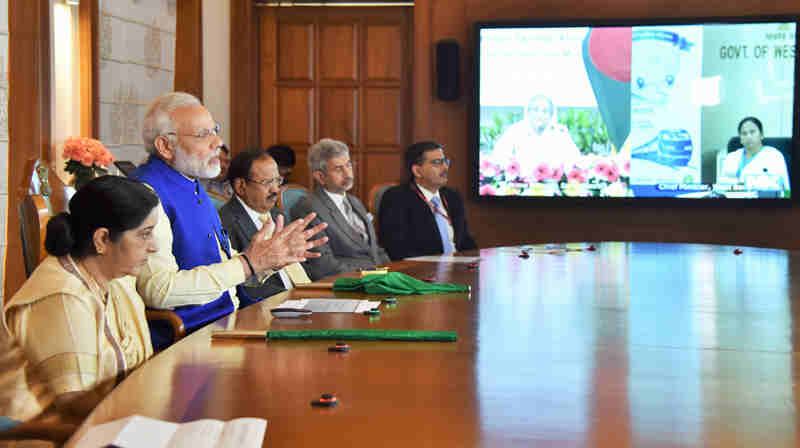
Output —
(287, 245)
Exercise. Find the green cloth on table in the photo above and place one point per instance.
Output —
(395, 283)
(358, 334)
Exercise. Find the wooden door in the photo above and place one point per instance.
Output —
(342, 73)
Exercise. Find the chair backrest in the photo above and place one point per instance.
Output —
(375, 195)
(290, 195)
(374, 198)
(217, 199)
(34, 214)
(23, 397)
(782, 144)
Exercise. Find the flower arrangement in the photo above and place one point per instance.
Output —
(590, 175)
(86, 159)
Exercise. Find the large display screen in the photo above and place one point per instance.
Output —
(681, 109)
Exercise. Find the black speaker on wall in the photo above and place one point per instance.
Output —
(448, 74)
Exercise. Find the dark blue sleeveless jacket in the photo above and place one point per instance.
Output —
(196, 228)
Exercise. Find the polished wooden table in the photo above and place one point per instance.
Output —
(634, 344)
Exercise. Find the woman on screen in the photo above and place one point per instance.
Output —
(755, 159)
(537, 139)
(79, 329)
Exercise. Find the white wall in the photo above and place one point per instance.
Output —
(137, 64)
(65, 79)
(216, 61)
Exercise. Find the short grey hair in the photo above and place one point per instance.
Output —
(157, 120)
(324, 150)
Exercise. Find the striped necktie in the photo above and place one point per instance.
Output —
(354, 220)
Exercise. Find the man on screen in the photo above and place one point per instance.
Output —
(423, 217)
(537, 138)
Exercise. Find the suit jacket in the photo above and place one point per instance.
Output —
(408, 227)
(241, 228)
(239, 225)
(346, 251)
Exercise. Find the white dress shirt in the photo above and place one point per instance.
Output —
(255, 216)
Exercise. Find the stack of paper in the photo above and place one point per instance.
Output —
(332, 305)
(138, 431)
(446, 258)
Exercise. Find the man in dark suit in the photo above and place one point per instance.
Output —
(352, 243)
(423, 217)
(253, 174)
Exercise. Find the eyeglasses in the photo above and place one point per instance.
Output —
(439, 162)
(202, 133)
(267, 182)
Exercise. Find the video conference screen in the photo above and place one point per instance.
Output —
(690, 110)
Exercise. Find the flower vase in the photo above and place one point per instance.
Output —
(86, 159)
(84, 175)
(79, 181)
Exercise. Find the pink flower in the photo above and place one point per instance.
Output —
(488, 168)
(557, 173)
(87, 151)
(87, 160)
(513, 169)
(626, 168)
(576, 175)
(612, 173)
(542, 172)
(487, 190)
(601, 168)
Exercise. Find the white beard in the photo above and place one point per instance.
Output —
(194, 167)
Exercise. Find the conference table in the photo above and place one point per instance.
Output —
(612, 344)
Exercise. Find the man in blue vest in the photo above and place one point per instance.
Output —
(195, 271)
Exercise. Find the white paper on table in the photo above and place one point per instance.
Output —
(366, 305)
(446, 259)
(137, 431)
(332, 305)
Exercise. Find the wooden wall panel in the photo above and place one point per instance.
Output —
(339, 107)
(244, 126)
(383, 117)
(300, 174)
(88, 18)
(189, 47)
(366, 105)
(295, 115)
(497, 224)
(422, 91)
(385, 52)
(267, 68)
(295, 51)
(339, 60)
(381, 167)
(28, 118)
